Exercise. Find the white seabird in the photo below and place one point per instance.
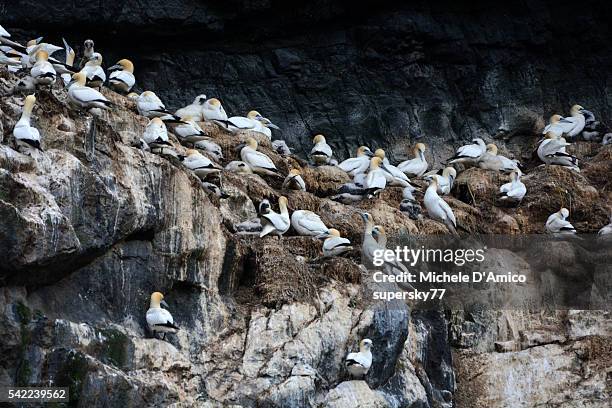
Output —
(469, 154)
(446, 178)
(276, 223)
(335, 245)
(212, 110)
(253, 121)
(24, 133)
(513, 191)
(69, 65)
(490, 160)
(375, 180)
(150, 106)
(189, 131)
(552, 151)
(415, 167)
(294, 181)
(409, 204)
(238, 166)
(160, 320)
(195, 109)
(607, 229)
(156, 136)
(438, 209)
(200, 164)
(42, 71)
(321, 152)
(358, 164)
(358, 364)
(94, 72)
(210, 147)
(84, 96)
(4, 39)
(554, 127)
(394, 176)
(307, 223)
(121, 78)
(557, 223)
(257, 161)
(214, 189)
(574, 124)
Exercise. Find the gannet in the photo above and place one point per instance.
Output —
(607, 139)
(84, 96)
(264, 207)
(25, 84)
(189, 131)
(150, 106)
(88, 51)
(409, 204)
(70, 55)
(335, 245)
(11, 61)
(513, 191)
(133, 95)
(437, 208)
(33, 47)
(378, 232)
(200, 164)
(94, 72)
(469, 153)
(26, 135)
(375, 180)
(214, 189)
(276, 223)
(266, 126)
(4, 39)
(121, 78)
(238, 166)
(253, 121)
(554, 127)
(557, 223)
(194, 110)
(358, 364)
(294, 181)
(607, 229)
(213, 110)
(307, 223)
(415, 167)
(490, 160)
(370, 246)
(394, 176)
(552, 151)
(156, 135)
(321, 152)
(257, 161)
(280, 146)
(160, 320)
(350, 193)
(446, 178)
(211, 148)
(42, 71)
(573, 125)
(358, 164)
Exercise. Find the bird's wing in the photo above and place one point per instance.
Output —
(353, 163)
(312, 222)
(198, 162)
(259, 159)
(123, 76)
(471, 150)
(159, 317)
(242, 122)
(358, 358)
(567, 124)
(85, 94)
(505, 188)
(376, 179)
(335, 242)
(517, 192)
(447, 210)
(277, 220)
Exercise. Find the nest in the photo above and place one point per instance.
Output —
(599, 169)
(476, 186)
(324, 181)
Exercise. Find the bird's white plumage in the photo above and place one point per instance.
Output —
(321, 152)
(194, 110)
(557, 223)
(150, 106)
(160, 320)
(355, 165)
(275, 223)
(437, 208)
(122, 79)
(469, 152)
(307, 223)
(376, 179)
(257, 161)
(201, 165)
(334, 246)
(86, 97)
(156, 133)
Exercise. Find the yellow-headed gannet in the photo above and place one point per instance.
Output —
(415, 167)
(160, 320)
(25, 135)
(84, 96)
(409, 204)
(200, 164)
(321, 152)
(469, 153)
(446, 178)
(253, 121)
(513, 191)
(379, 234)
(42, 71)
(121, 78)
(34, 46)
(214, 189)
(307, 223)
(294, 181)
(552, 151)
(194, 109)
(438, 209)
(358, 364)
(394, 176)
(94, 72)
(359, 164)
(210, 147)
(213, 110)
(554, 127)
(239, 167)
(189, 131)
(490, 160)
(273, 222)
(68, 66)
(156, 136)
(574, 124)
(149, 105)
(557, 223)
(257, 161)
(375, 180)
(335, 245)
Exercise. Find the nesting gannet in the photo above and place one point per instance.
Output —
(321, 152)
(294, 181)
(266, 126)
(574, 124)
(276, 223)
(84, 96)
(607, 229)
(513, 191)
(94, 72)
(257, 161)
(213, 110)
(446, 178)
(409, 204)
(358, 364)
(121, 78)
(554, 127)
(370, 246)
(194, 109)
(437, 208)
(26, 135)
(552, 151)
(214, 189)
(160, 320)
(25, 84)
(307, 223)
(200, 164)
(350, 193)
(42, 71)
(210, 147)
(156, 135)
(238, 166)
(280, 146)
(189, 131)
(415, 167)
(375, 180)
(394, 176)
(469, 153)
(490, 160)
(253, 121)
(379, 234)
(358, 164)
(557, 223)
(149, 105)
(335, 245)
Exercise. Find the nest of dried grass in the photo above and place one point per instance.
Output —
(475, 185)
(599, 169)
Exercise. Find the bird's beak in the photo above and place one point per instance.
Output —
(369, 153)
(239, 147)
(115, 67)
(39, 40)
(70, 83)
(273, 126)
(163, 303)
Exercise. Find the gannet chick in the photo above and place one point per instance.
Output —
(25, 84)
(513, 191)
(264, 207)
(415, 167)
(607, 139)
(121, 78)
(574, 124)
(552, 151)
(257, 161)
(42, 71)
(438, 209)
(239, 167)
(276, 223)
(160, 320)
(215, 190)
(307, 223)
(294, 181)
(94, 72)
(189, 131)
(375, 180)
(393, 175)
(150, 106)
(335, 245)
(557, 223)
(469, 154)
(358, 164)
(409, 204)
(156, 136)
(25, 135)
(358, 364)
(88, 51)
(321, 152)
(211, 148)
(607, 229)
(200, 164)
(280, 146)
(194, 109)
(84, 96)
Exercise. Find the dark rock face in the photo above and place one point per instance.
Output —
(367, 73)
